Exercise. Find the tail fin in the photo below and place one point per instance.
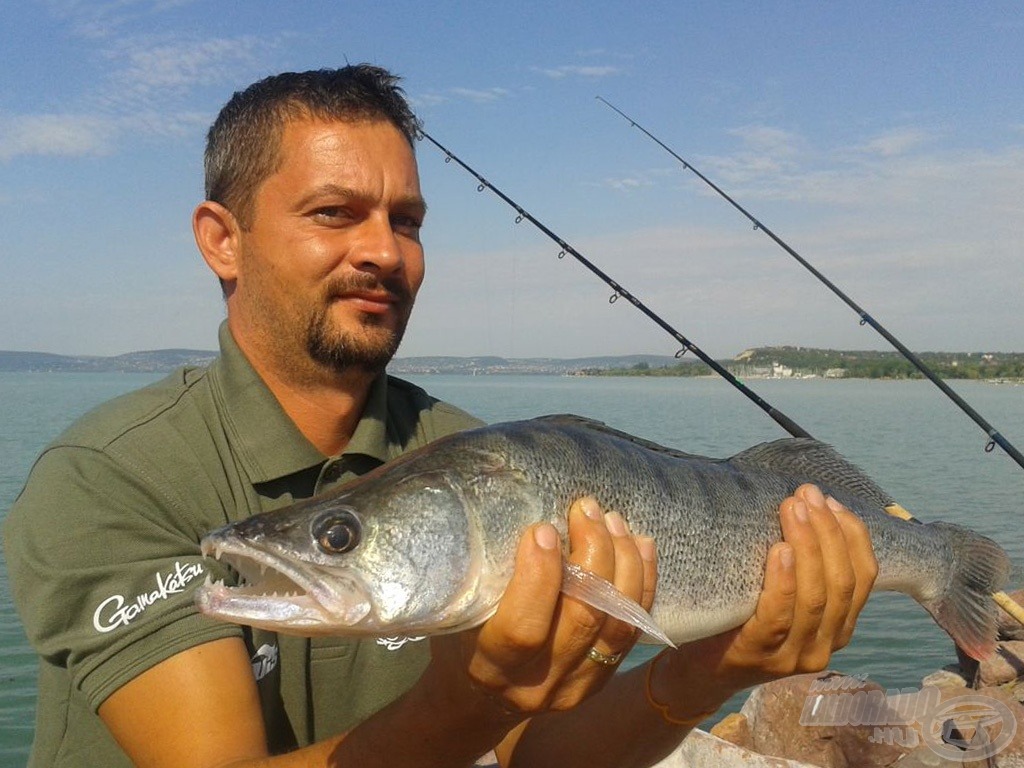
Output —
(965, 609)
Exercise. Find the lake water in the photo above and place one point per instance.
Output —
(907, 435)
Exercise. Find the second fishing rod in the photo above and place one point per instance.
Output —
(1001, 598)
(995, 438)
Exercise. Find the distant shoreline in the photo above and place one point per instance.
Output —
(756, 363)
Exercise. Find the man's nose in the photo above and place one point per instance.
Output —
(378, 247)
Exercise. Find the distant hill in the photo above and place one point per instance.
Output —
(520, 365)
(154, 361)
(160, 360)
(775, 362)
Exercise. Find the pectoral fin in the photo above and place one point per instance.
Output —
(602, 594)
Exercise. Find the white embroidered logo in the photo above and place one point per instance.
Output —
(264, 661)
(394, 643)
(116, 611)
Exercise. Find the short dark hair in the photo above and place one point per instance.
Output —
(243, 142)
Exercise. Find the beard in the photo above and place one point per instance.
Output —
(368, 347)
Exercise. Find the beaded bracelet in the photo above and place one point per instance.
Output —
(662, 709)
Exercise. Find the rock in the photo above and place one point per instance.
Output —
(825, 719)
(703, 750)
(1003, 666)
(734, 729)
(924, 757)
(949, 676)
(1015, 689)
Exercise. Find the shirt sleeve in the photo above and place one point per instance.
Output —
(103, 563)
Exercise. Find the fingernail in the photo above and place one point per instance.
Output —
(546, 536)
(800, 510)
(813, 496)
(834, 505)
(591, 508)
(786, 557)
(648, 552)
(616, 524)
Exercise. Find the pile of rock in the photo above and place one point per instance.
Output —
(968, 713)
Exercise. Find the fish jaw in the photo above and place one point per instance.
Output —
(279, 596)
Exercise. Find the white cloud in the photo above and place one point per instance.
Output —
(56, 135)
(769, 139)
(152, 71)
(627, 183)
(576, 70)
(144, 95)
(99, 19)
(428, 99)
(897, 142)
(480, 96)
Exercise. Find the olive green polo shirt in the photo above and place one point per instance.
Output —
(102, 548)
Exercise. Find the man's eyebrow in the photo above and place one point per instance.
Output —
(407, 202)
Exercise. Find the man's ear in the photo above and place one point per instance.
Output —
(217, 234)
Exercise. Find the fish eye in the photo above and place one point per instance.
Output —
(337, 532)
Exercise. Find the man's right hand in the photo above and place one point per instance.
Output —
(531, 656)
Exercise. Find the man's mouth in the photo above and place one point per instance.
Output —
(375, 302)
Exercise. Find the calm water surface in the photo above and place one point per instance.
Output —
(907, 435)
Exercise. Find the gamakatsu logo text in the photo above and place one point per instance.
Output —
(117, 611)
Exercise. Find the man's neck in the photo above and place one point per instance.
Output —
(326, 412)
(325, 405)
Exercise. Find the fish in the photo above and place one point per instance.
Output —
(426, 544)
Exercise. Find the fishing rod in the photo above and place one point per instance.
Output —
(1001, 598)
(780, 418)
(995, 438)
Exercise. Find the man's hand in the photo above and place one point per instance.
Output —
(531, 656)
(816, 583)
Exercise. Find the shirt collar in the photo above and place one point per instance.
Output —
(371, 435)
(266, 440)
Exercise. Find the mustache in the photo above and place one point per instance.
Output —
(339, 286)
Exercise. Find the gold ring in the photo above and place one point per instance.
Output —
(605, 659)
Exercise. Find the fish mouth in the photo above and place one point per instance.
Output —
(277, 593)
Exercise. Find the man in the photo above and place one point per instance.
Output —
(312, 227)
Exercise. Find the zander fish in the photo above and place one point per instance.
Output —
(426, 544)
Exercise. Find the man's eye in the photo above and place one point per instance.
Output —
(407, 224)
(331, 213)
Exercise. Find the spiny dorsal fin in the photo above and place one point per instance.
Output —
(813, 461)
(583, 422)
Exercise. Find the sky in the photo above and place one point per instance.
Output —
(884, 141)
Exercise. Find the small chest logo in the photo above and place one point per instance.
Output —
(394, 643)
(264, 661)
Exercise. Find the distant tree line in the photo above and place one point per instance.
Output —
(807, 361)
(695, 368)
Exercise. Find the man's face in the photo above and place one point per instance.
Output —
(331, 265)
